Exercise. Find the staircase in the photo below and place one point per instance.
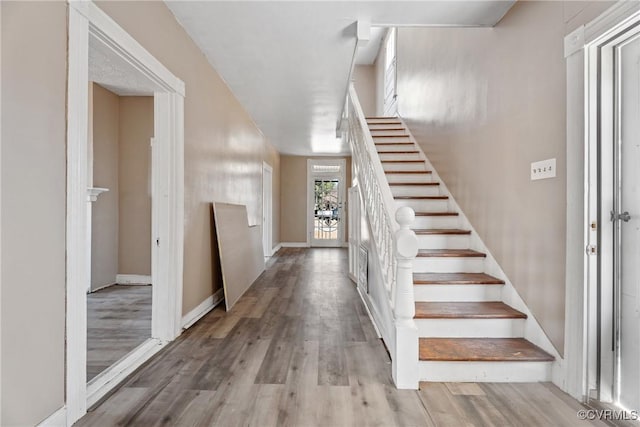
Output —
(466, 331)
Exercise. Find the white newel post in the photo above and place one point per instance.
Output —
(405, 359)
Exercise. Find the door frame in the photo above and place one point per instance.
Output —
(342, 163)
(583, 364)
(87, 21)
(267, 209)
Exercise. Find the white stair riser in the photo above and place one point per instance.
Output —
(383, 126)
(408, 177)
(386, 132)
(484, 371)
(424, 205)
(448, 265)
(388, 140)
(381, 148)
(378, 120)
(400, 166)
(399, 156)
(434, 221)
(415, 190)
(470, 328)
(443, 241)
(448, 293)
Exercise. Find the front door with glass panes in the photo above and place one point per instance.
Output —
(326, 202)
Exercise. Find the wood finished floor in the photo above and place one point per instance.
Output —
(299, 350)
(118, 320)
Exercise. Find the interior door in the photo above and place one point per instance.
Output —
(626, 217)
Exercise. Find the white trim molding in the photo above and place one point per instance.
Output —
(88, 22)
(57, 419)
(202, 309)
(133, 279)
(294, 245)
(276, 249)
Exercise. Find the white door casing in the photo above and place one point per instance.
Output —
(87, 21)
(267, 209)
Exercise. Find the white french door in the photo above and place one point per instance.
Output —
(326, 193)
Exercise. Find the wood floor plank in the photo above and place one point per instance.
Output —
(118, 320)
(300, 350)
(443, 409)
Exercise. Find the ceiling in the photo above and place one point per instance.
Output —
(288, 62)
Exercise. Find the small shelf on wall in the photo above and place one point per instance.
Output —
(93, 193)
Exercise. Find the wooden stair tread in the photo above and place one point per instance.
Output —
(445, 231)
(429, 184)
(481, 349)
(395, 143)
(402, 161)
(390, 136)
(455, 279)
(383, 130)
(467, 310)
(398, 152)
(410, 172)
(436, 213)
(450, 253)
(381, 118)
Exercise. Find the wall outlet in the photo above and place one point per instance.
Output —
(543, 169)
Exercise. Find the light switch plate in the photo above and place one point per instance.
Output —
(543, 169)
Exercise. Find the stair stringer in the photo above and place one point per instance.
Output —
(533, 332)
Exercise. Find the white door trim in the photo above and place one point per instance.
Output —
(581, 325)
(87, 20)
(267, 210)
(310, 201)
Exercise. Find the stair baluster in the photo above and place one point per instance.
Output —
(396, 245)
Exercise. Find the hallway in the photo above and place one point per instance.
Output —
(299, 349)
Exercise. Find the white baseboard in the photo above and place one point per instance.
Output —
(371, 316)
(98, 387)
(295, 245)
(133, 279)
(203, 308)
(276, 249)
(101, 288)
(57, 419)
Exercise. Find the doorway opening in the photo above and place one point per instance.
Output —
(326, 192)
(119, 301)
(101, 51)
(613, 356)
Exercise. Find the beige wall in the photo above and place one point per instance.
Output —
(484, 104)
(104, 212)
(134, 178)
(364, 80)
(293, 193)
(34, 43)
(224, 150)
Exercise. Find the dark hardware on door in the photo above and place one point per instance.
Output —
(624, 216)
